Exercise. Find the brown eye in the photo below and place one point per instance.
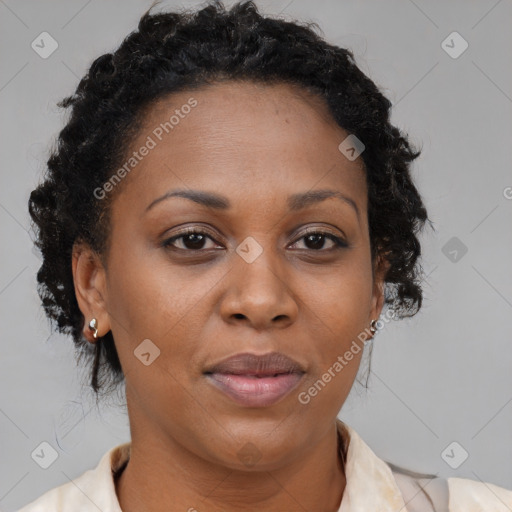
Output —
(315, 240)
(191, 240)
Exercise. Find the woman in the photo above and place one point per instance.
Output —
(227, 215)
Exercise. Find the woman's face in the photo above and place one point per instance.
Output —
(253, 280)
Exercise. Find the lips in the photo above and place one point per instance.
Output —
(256, 381)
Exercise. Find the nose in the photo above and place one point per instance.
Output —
(259, 293)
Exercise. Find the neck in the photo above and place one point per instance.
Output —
(181, 481)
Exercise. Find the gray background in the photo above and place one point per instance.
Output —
(440, 377)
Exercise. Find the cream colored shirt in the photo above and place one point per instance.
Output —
(370, 486)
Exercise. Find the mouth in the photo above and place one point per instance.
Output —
(256, 381)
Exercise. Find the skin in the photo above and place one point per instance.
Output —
(255, 144)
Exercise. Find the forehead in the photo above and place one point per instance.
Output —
(242, 138)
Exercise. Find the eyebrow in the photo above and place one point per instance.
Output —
(295, 202)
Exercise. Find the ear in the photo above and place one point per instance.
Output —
(381, 268)
(90, 288)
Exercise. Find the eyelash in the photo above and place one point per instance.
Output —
(339, 242)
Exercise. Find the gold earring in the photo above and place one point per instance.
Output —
(93, 325)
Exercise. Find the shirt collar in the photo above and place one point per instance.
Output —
(370, 484)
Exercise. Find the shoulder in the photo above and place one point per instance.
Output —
(468, 495)
(57, 499)
(93, 490)
(397, 488)
(422, 492)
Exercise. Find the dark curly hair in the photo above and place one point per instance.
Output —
(171, 52)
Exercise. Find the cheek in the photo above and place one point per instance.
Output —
(155, 310)
(149, 298)
(336, 350)
(342, 298)
(337, 309)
